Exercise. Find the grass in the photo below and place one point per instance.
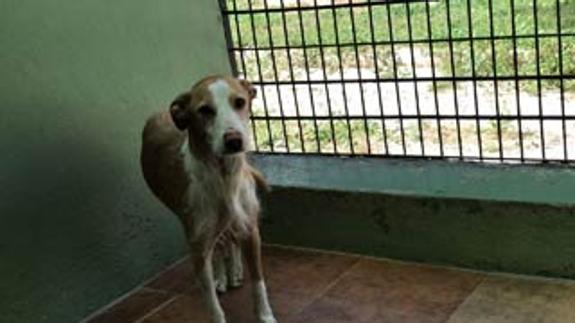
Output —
(438, 13)
(391, 137)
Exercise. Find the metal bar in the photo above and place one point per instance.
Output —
(359, 74)
(264, 97)
(228, 37)
(414, 41)
(433, 76)
(423, 116)
(453, 85)
(538, 64)
(326, 88)
(516, 71)
(427, 79)
(290, 67)
(344, 92)
(495, 83)
(395, 77)
(274, 67)
(333, 5)
(307, 70)
(474, 76)
(376, 65)
(561, 85)
(234, 66)
(414, 73)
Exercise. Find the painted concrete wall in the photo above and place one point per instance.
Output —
(77, 79)
(517, 219)
(540, 184)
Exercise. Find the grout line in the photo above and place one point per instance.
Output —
(339, 278)
(329, 286)
(483, 277)
(108, 306)
(466, 299)
(129, 293)
(310, 249)
(158, 308)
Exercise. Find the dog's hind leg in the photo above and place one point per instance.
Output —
(235, 265)
(228, 265)
(220, 259)
(252, 251)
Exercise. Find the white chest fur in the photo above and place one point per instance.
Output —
(216, 199)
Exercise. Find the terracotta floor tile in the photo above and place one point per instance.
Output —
(132, 308)
(378, 291)
(320, 287)
(295, 278)
(518, 300)
(303, 269)
(178, 279)
(307, 275)
(184, 308)
(189, 308)
(238, 305)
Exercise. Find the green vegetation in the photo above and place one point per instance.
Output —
(458, 9)
(449, 137)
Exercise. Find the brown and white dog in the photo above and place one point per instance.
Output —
(193, 159)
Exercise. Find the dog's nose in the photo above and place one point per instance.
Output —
(233, 142)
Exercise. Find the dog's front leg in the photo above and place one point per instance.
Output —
(201, 255)
(252, 250)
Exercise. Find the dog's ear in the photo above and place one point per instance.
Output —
(250, 88)
(180, 111)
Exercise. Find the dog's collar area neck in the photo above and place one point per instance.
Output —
(229, 165)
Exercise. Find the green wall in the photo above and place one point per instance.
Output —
(78, 227)
(517, 219)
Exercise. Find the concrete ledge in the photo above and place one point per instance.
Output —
(505, 218)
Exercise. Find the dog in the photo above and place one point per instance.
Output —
(193, 159)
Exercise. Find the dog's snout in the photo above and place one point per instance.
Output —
(233, 142)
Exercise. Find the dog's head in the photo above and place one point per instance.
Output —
(216, 113)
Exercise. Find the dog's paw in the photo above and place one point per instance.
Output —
(221, 285)
(236, 280)
(267, 319)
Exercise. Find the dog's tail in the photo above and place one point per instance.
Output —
(260, 180)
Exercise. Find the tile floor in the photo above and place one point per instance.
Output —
(311, 286)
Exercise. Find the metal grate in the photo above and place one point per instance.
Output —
(478, 80)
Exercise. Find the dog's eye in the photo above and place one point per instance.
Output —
(206, 111)
(239, 103)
